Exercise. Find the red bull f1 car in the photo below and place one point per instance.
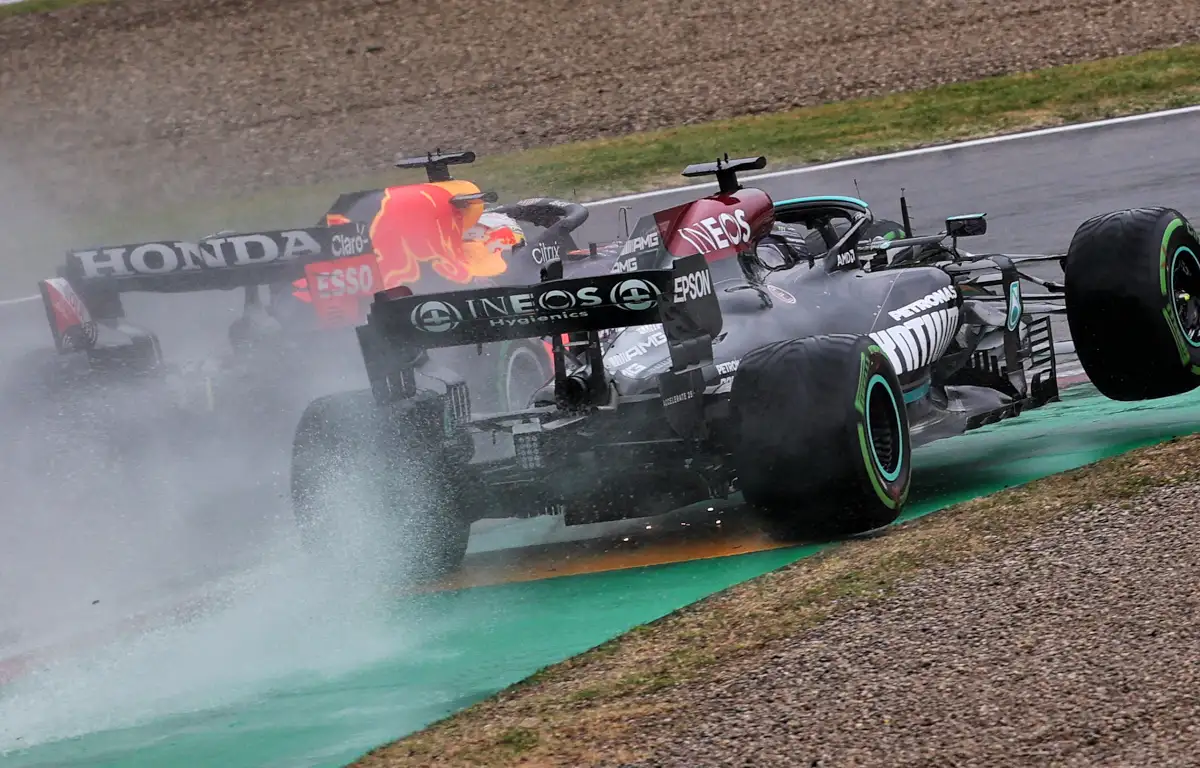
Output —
(794, 352)
(304, 289)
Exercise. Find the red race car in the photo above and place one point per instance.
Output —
(431, 237)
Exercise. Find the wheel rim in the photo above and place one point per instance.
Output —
(523, 377)
(884, 431)
(1185, 293)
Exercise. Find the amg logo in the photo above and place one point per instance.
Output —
(717, 232)
(656, 339)
(638, 244)
(920, 341)
(696, 285)
(628, 265)
(935, 299)
(216, 253)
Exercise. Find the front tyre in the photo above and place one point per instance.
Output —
(378, 484)
(1133, 302)
(822, 446)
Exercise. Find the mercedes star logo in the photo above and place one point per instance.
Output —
(634, 294)
(436, 317)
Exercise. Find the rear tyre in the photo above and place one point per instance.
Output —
(380, 483)
(822, 446)
(1133, 302)
(526, 369)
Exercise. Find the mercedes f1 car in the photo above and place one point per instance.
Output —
(794, 351)
(303, 288)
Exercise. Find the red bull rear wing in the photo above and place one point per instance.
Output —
(215, 263)
(339, 261)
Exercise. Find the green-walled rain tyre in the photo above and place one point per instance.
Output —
(1133, 302)
(822, 444)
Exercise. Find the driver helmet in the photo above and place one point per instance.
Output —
(498, 232)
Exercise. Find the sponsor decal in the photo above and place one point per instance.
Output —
(352, 281)
(725, 384)
(628, 265)
(1015, 307)
(440, 316)
(935, 299)
(681, 397)
(436, 316)
(695, 285)
(919, 341)
(545, 253)
(846, 258)
(163, 258)
(640, 243)
(781, 294)
(717, 232)
(417, 224)
(656, 339)
(342, 288)
(350, 245)
(634, 294)
(633, 370)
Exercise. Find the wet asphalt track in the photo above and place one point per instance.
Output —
(1035, 191)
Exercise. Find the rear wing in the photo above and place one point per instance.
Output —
(648, 285)
(215, 263)
(678, 293)
(338, 260)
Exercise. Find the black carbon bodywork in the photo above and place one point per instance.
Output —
(636, 421)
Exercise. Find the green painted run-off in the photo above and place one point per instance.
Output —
(461, 647)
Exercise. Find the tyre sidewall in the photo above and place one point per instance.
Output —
(1119, 273)
(877, 379)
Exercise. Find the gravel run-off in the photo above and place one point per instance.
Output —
(134, 102)
(1077, 648)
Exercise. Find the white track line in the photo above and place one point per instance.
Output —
(865, 160)
(917, 152)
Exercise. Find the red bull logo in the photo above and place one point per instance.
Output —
(419, 224)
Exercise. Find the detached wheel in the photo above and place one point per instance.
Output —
(822, 446)
(378, 484)
(1133, 302)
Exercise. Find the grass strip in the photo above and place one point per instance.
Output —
(593, 169)
(577, 711)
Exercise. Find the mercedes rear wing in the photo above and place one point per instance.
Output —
(678, 293)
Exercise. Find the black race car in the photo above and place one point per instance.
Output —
(795, 351)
